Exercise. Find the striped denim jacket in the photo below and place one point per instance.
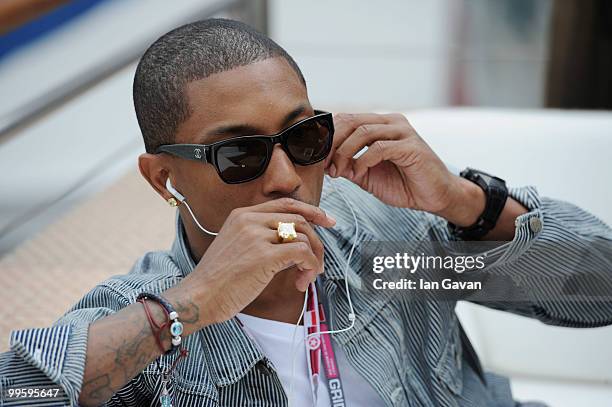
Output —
(410, 351)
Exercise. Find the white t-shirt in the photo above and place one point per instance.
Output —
(274, 338)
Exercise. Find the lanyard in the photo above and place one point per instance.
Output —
(320, 345)
(312, 319)
(319, 348)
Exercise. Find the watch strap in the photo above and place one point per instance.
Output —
(496, 196)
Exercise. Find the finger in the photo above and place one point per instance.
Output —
(363, 136)
(344, 125)
(272, 237)
(299, 254)
(304, 279)
(379, 151)
(311, 213)
(303, 228)
(300, 237)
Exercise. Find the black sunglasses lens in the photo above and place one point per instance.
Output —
(310, 142)
(241, 160)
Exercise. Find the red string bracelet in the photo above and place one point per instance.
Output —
(155, 327)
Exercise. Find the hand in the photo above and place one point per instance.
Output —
(246, 255)
(399, 168)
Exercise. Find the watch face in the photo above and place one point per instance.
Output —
(485, 177)
(473, 174)
(496, 192)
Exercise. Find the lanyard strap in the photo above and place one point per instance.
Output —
(313, 340)
(325, 349)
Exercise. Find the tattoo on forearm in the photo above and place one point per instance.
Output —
(130, 352)
(130, 355)
(188, 310)
(98, 388)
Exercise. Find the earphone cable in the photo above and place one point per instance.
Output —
(198, 223)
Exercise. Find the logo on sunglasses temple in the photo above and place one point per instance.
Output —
(198, 153)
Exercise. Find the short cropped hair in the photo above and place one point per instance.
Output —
(190, 53)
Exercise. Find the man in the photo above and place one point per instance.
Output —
(238, 289)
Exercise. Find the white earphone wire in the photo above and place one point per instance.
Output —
(351, 315)
(182, 199)
(198, 223)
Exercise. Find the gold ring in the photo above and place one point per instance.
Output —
(286, 232)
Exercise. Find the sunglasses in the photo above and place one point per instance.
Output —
(244, 158)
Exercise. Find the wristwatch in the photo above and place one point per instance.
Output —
(496, 192)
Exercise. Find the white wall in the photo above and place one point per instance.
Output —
(400, 54)
(363, 54)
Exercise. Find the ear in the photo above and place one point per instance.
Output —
(155, 169)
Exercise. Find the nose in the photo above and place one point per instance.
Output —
(280, 177)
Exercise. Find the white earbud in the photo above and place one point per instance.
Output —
(182, 200)
(173, 191)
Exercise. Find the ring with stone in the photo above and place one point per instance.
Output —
(286, 232)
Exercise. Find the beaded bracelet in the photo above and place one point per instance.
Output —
(176, 327)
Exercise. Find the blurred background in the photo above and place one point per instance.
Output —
(518, 87)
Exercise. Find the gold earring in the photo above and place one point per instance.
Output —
(172, 202)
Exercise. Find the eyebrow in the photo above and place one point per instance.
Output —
(246, 129)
